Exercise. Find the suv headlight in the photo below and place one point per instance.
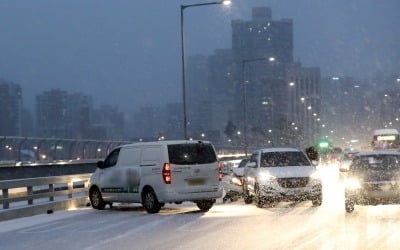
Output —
(263, 177)
(316, 175)
(352, 184)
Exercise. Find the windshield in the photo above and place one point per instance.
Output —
(381, 162)
(386, 141)
(348, 156)
(283, 159)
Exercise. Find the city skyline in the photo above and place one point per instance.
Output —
(343, 100)
(115, 49)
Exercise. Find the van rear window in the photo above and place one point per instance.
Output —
(191, 153)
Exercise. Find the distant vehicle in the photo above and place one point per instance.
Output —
(281, 174)
(386, 139)
(233, 186)
(325, 151)
(154, 173)
(240, 168)
(229, 165)
(372, 179)
(345, 159)
(233, 182)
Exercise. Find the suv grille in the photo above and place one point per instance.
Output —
(293, 182)
(379, 187)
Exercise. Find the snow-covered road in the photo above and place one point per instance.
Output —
(225, 226)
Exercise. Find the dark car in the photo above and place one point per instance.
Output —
(373, 178)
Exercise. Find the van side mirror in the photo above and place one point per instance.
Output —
(251, 164)
(100, 164)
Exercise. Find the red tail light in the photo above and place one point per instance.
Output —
(166, 173)
(220, 170)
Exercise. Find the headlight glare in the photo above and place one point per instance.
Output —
(316, 175)
(265, 177)
(235, 180)
(352, 184)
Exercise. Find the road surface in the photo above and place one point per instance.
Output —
(226, 226)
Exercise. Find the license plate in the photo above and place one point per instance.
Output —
(196, 182)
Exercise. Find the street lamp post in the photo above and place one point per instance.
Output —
(183, 7)
(244, 61)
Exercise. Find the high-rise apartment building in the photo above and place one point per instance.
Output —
(249, 86)
(107, 123)
(263, 37)
(271, 83)
(10, 109)
(63, 115)
(303, 106)
(52, 114)
(198, 92)
(262, 50)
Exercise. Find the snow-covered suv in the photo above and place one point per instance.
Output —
(281, 174)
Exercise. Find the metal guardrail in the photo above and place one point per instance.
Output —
(45, 170)
(27, 197)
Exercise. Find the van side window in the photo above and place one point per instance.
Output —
(112, 158)
(150, 156)
(129, 156)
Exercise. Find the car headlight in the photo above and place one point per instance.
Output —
(265, 177)
(352, 184)
(316, 175)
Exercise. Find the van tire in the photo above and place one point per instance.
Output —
(150, 201)
(205, 205)
(96, 199)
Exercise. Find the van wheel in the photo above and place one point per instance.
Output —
(205, 205)
(96, 199)
(150, 201)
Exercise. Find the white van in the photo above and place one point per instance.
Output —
(155, 173)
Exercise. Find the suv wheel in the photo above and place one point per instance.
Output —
(248, 199)
(258, 198)
(205, 205)
(150, 201)
(349, 205)
(317, 201)
(96, 199)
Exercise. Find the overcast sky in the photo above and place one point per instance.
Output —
(127, 52)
